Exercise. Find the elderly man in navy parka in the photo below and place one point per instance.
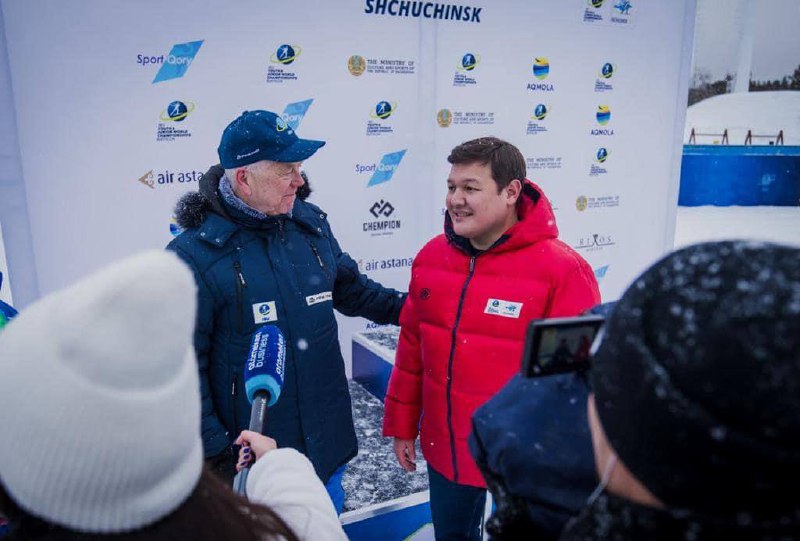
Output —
(261, 256)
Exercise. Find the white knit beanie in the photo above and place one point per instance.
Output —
(99, 398)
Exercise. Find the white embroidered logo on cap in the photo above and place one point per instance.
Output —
(311, 300)
(264, 312)
(497, 307)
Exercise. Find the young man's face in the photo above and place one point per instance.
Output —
(272, 187)
(477, 210)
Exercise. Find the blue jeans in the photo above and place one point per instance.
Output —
(456, 510)
(335, 488)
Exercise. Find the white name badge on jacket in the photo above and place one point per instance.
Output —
(264, 312)
(497, 307)
(311, 300)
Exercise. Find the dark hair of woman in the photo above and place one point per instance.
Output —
(212, 512)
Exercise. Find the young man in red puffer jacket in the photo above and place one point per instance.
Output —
(498, 265)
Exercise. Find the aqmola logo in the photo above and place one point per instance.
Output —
(541, 67)
(603, 114)
(356, 65)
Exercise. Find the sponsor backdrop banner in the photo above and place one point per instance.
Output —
(120, 106)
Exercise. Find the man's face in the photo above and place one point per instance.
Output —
(478, 212)
(272, 186)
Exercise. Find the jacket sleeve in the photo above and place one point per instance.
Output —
(284, 480)
(215, 437)
(356, 295)
(403, 403)
(575, 291)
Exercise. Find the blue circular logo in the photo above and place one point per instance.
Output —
(603, 114)
(495, 303)
(607, 70)
(383, 109)
(286, 54)
(263, 309)
(602, 154)
(468, 62)
(540, 112)
(177, 111)
(541, 67)
(596, 3)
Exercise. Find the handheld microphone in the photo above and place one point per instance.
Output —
(263, 381)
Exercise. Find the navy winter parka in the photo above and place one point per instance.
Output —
(287, 271)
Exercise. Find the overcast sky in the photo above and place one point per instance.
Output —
(776, 38)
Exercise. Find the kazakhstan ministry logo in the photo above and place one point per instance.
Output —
(468, 62)
(607, 71)
(603, 114)
(286, 54)
(177, 111)
(383, 110)
(602, 154)
(541, 67)
(540, 111)
(444, 118)
(581, 203)
(356, 65)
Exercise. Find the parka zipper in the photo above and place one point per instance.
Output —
(450, 367)
(240, 285)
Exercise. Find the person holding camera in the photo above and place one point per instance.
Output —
(498, 265)
(695, 404)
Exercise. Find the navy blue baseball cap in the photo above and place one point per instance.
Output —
(262, 135)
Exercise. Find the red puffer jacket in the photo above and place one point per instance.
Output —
(463, 328)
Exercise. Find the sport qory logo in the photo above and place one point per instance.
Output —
(469, 61)
(383, 171)
(177, 111)
(286, 54)
(175, 64)
(294, 113)
(383, 110)
(623, 7)
(541, 67)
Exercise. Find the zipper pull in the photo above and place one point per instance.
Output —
(316, 253)
(233, 387)
(238, 267)
(472, 264)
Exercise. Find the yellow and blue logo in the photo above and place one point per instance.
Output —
(540, 111)
(444, 118)
(541, 67)
(607, 71)
(383, 110)
(602, 154)
(177, 111)
(623, 7)
(469, 61)
(286, 54)
(597, 4)
(280, 124)
(603, 114)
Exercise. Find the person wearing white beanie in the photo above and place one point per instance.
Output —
(100, 423)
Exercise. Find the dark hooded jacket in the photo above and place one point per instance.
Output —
(611, 518)
(287, 271)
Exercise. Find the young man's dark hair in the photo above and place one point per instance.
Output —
(506, 161)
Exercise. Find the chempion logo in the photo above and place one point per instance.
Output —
(540, 111)
(603, 114)
(356, 65)
(382, 225)
(175, 64)
(285, 54)
(541, 67)
(383, 171)
(383, 110)
(381, 208)
(294, 113)
(444, 118)
(469, 62)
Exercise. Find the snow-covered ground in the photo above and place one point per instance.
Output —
(765, 113)
(776, 224)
